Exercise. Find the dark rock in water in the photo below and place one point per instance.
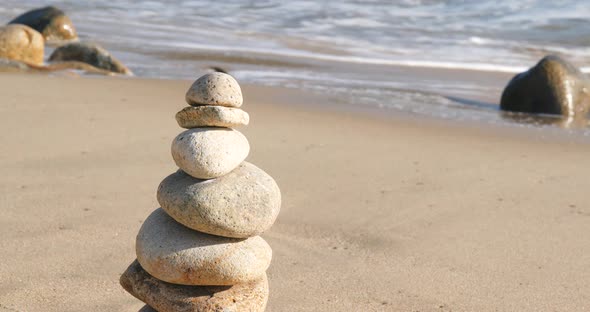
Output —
(166, 297)
(50, 21)
(553, 86)
(91, 54)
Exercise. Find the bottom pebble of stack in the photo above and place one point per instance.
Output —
(166, 297)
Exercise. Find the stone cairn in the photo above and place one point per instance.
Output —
(201, 251)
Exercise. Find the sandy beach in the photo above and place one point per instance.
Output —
(379, 213)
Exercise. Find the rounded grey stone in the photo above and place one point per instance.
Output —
(207, 153)
(211, 116)
(176, 254)
(243, 203)
(215, 89)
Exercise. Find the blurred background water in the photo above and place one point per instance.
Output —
(387, 54)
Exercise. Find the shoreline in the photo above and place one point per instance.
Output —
(541, 127)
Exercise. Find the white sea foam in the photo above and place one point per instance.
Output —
(285, 53)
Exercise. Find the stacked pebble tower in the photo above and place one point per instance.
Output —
(201, 251)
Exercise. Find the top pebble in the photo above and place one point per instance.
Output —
(215, 89)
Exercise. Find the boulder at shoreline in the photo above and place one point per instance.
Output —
(51, 22)
(553, 86)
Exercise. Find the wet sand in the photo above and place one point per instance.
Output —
(380, 213)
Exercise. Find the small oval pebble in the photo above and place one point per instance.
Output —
(215, 89)
(176, 254)
(242, 203)
(207, 153)
(211, 116)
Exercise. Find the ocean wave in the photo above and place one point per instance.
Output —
(283, 53)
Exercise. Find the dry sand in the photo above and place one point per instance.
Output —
(379, 214)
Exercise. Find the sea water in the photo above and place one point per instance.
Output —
(393, 55)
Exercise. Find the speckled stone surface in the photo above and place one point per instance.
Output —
(207, 153)
(211, 116)
(176, 254)
(215, 89)
(166, 297)
(242, 203)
